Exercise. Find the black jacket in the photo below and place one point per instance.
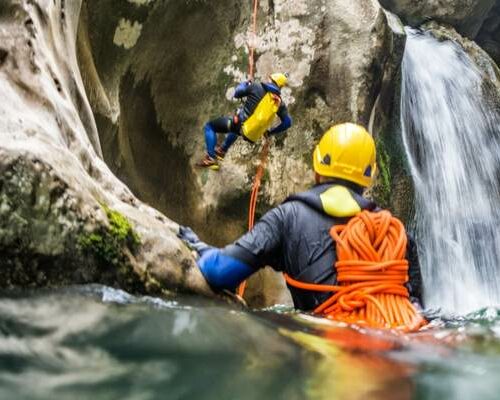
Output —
(294, 238)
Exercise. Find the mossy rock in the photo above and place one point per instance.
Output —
(110, 244)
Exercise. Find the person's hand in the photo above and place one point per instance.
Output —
(192, 240)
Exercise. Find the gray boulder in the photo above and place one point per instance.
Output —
(489, 35)
(64, 217)
(467, 16)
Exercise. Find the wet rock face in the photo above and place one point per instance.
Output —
(489, 35)
(467, 16)
(479, 56)
(475, 19)
(157, 71)
(159, 76)
(64, 217)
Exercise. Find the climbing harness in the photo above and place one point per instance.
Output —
(371, 272)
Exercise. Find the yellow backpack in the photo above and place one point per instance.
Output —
(262, 118)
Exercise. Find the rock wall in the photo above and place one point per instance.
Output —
(467, 16)
(489, 34)
(153, 94)
(157, 71)
(64, 217)
(475, 19)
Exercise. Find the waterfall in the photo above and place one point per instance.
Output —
(451, 133)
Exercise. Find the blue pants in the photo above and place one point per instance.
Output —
(221, 125)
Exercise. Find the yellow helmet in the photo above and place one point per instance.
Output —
(279, 78)
(346, 151)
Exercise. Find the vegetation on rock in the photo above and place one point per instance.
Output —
(109, 243)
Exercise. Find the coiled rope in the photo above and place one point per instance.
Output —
(371, 271)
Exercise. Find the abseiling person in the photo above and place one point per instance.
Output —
(252, 121)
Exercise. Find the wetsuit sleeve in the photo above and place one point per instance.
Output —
(286, 120)
(262, 245)
(242, 90)
(222, 271)
(227, 268)
(414, 284)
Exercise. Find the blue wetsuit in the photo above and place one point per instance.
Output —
(253, 92)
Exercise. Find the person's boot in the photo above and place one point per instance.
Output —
(208, 162)
(220, 153)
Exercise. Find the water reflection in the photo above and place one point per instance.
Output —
(95, 342)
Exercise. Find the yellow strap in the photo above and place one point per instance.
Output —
(338, 202)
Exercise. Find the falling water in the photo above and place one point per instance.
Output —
(452, 137)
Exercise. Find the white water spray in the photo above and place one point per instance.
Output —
(451, 134)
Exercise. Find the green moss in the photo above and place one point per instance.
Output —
(108, 244)
(222, 82)
(384, 165)
(265, 177)
(242, 59)
(393, 188)
(121, 229)
(204, 176)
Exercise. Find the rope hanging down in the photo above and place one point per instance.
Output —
(265, 148)
(251, 51)
(371, 271)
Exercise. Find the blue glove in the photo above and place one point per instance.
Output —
(192, 240)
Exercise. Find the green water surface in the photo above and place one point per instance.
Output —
(95, 342)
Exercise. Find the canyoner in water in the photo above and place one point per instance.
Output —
(252, 121)
(342, 256)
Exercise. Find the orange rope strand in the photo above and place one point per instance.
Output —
(253, 197)
(251, 52)
(265, 149)
(371, 272)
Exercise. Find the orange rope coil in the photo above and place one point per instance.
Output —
(371, 272)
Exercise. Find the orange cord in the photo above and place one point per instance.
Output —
(265, 149)
(371, 271)
(256, 183)
(253, 197)
(254, 33)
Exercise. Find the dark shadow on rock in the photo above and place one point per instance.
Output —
(158, 170)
